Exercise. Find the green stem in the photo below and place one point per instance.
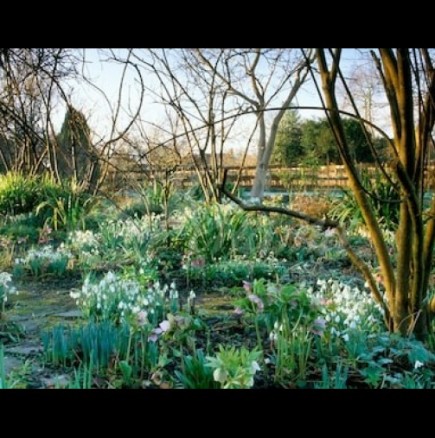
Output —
(259, 343)
(129, 346)
(144, 347)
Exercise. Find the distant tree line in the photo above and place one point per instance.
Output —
(311, 142)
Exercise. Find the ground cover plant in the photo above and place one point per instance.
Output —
(198, 305)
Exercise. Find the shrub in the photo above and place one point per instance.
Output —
(385, 202)
(18, 194)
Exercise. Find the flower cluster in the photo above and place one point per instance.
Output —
(345, 308)
(46, 253)
(128, 235)
(117, 299)
(83, 241)
(6, 288)
(44, 260)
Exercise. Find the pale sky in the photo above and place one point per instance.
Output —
(107, 76)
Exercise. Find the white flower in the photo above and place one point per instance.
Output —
(219, 375)
(329, 232)
(418, 365)
(255, 367)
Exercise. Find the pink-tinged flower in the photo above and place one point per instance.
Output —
(247, 286)
(198, 263)
(293, 304)
(153, 337)
(257, 300)
(142, 317)
(238, 311)
(319, 326)
(155, 333)
(325, 301)
(165, 326)
(379, 279)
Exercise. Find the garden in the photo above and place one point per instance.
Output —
(156, 288)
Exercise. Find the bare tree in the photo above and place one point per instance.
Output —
(28, 81)
(198, 98)
(261, 78)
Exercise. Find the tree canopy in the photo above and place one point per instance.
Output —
(311, 142)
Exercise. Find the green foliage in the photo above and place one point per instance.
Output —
(66, 207)
(275, 304)
(94, 342)
(82, 377)
(386, 353)
(318, 143)
(137, 209)
(312, 142)
(234, 368)
(22, 228)
(335, 378)
(231, 273)
(195, 374)
(104, 348)
(287, 314)
(16, 379)
(154, 198)
(20, 193)
(292, 351)
(60, 205)
(43, 261)
(196, 193)
(214, 231)
(3, 381)
(288, 150)
(385, 203)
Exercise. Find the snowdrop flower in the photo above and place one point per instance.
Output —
(418, 365)
(255, 367)
(273, 336)
(329, 232)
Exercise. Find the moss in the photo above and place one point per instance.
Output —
(216, 304)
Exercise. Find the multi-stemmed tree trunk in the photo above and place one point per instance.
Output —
(408, 78)
(406, 74)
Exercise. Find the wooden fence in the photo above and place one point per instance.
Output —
(332, 176)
